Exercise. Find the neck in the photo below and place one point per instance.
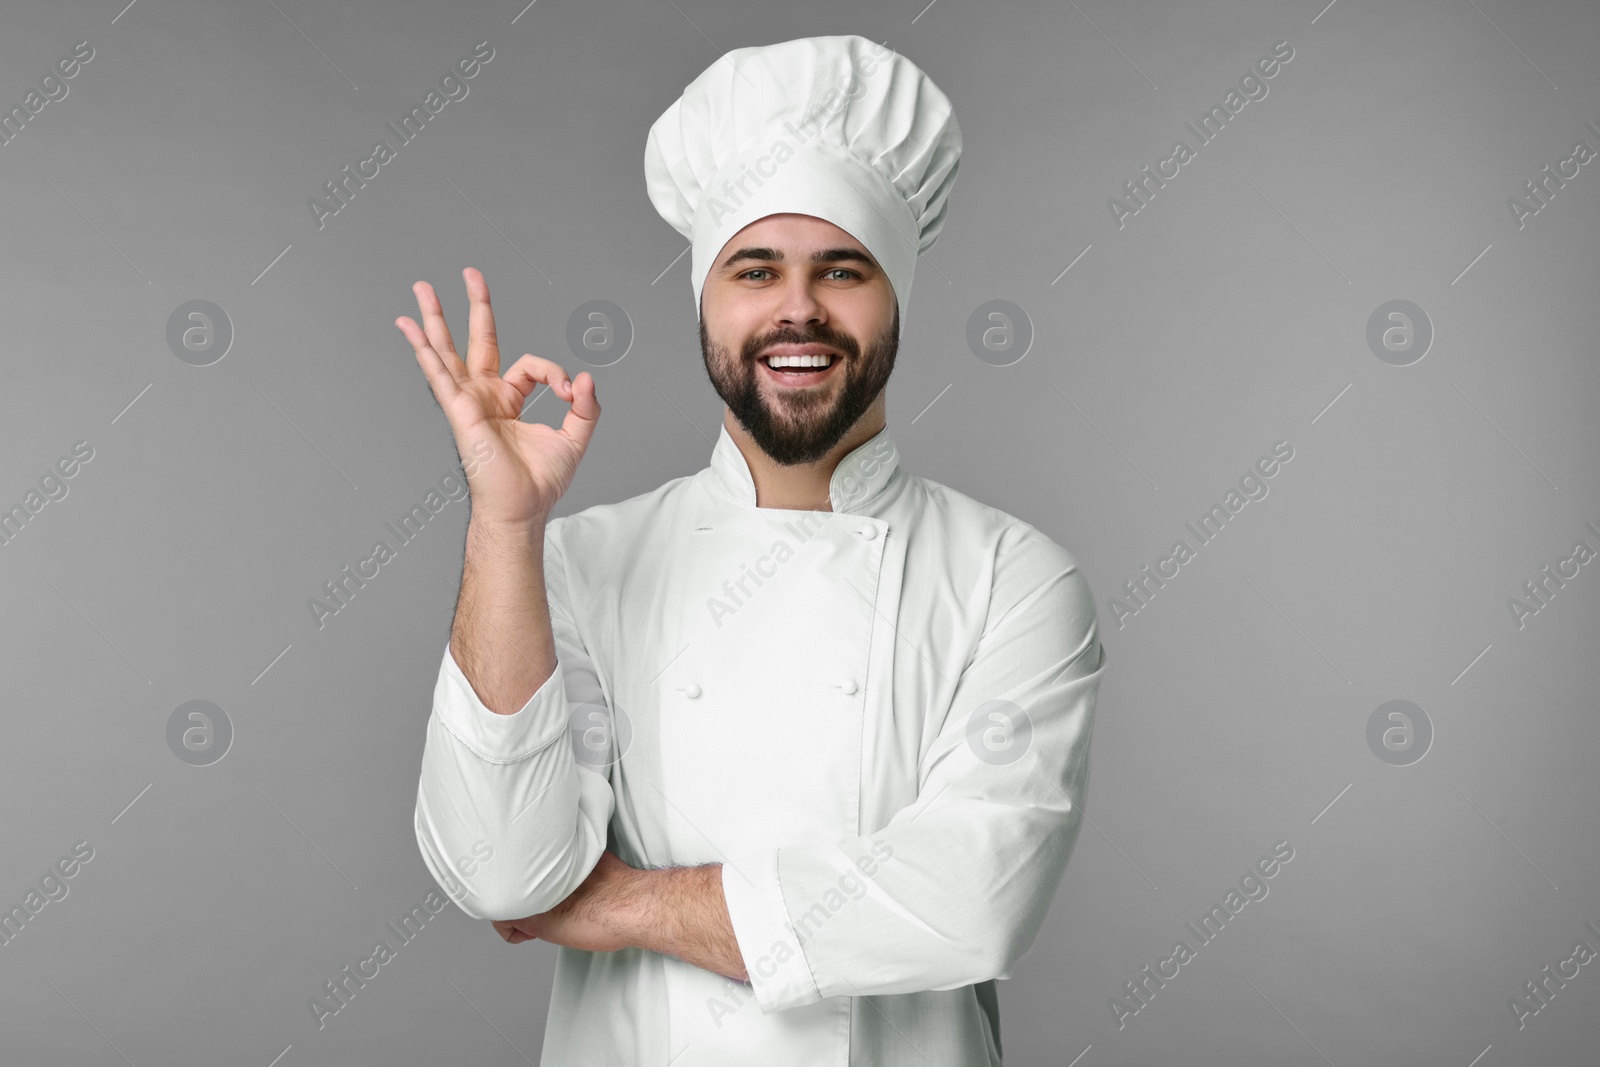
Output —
(803, 487)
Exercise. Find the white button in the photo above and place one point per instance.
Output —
(692, 690)
(849, 686)
(868, 532)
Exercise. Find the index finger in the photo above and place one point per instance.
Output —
(483, 347)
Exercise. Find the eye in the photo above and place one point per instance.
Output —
(754, 270)
(844, 270)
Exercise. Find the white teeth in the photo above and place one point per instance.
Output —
(820, 360)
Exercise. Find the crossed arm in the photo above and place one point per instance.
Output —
(676, 911)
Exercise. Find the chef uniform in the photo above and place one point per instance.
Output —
(876, 718)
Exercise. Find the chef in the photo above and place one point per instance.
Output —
(787, 755)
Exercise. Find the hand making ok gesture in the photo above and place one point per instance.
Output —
(529, 465)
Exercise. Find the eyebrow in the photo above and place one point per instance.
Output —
(773, 255)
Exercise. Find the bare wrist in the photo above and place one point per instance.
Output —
(516, 528)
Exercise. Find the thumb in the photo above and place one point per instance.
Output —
(584, 413)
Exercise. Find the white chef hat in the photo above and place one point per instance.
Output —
(835, 127)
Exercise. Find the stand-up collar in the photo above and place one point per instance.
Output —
(859, 479)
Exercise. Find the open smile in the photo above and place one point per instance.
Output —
(800, 365)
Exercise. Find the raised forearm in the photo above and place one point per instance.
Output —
(501, 637)
(495, 773)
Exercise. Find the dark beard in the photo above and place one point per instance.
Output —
(809, 426)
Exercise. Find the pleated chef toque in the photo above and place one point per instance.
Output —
(836, 127)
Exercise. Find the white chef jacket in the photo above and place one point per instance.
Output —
(877, 718)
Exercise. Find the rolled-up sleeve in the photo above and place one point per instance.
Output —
(508, 821)
(953, 889)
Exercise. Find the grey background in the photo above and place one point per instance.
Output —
(1229, 314)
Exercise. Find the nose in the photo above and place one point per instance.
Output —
(798, 306)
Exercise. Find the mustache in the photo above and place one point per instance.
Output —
(842, 342)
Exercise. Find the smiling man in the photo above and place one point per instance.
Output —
(787, 756)
(801, 390)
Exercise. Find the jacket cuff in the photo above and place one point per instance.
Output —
(773, 957)
(493, 737)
